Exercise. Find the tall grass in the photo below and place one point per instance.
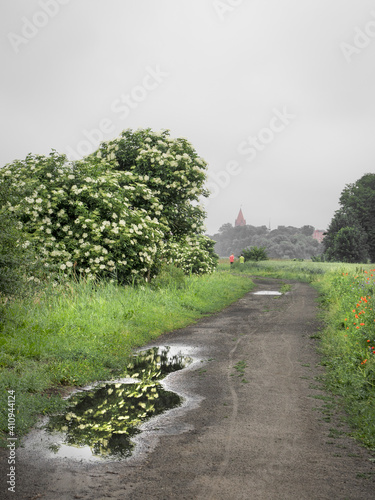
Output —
(348, 346)
(80, 333)
(287, 269)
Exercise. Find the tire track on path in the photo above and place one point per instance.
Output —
(266, 323)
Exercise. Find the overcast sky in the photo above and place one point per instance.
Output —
(278, 96)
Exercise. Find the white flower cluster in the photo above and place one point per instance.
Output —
(192, 254)
(79, 228)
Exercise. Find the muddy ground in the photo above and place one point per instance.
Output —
(255, 424)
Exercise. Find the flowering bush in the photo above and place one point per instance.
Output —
(119, 212)
(192, 254)
(172, 170)
(81, 216)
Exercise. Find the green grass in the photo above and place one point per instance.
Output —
(306, 271)
(80, 333)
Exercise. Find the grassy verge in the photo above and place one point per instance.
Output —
(82, 333)
(348, 346)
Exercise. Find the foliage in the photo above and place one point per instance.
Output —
(255, 253)
(345, 239)
(360, 198)
(192, 254)
(170, 168)
(350, 245)
(169, 276)
(11, 256)
(119, 213)
(357, 211)
(348, 344)
(283, 242)
(19, 267)
(81, 216)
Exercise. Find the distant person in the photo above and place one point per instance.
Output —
(231, 259)
(242, 259)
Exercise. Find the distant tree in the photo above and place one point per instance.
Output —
(262, 230)
(225, 227)
(307, 230)
(283, 242)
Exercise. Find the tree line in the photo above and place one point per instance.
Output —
(285, 242)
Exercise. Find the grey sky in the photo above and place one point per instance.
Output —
(265, 90)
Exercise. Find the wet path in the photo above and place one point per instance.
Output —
(253, 428)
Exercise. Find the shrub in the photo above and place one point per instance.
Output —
(81, 216)
(255, 253)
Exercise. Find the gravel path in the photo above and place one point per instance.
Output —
(255, 424)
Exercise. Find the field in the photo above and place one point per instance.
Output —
(79, 333)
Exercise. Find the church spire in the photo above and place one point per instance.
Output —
(240, 221)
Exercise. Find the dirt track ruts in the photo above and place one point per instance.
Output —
(257, 435)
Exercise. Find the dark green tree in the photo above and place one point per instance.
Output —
(359, 199)
(350, 245)
(345, 240)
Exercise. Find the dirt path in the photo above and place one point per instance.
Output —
(261, 434)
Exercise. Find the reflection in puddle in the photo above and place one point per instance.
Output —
(103, 419)
(267, 292)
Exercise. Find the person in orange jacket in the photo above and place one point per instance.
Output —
(231, 259)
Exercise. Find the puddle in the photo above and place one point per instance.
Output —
(101, 420)
(267, 292)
